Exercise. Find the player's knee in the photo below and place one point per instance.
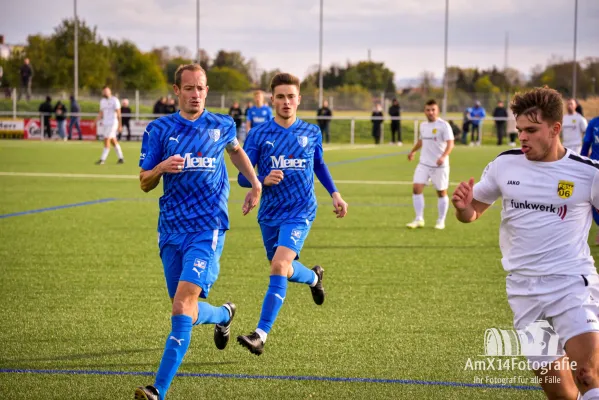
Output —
(442, 193)
(185, 306)
(586, 375)
(279, 267)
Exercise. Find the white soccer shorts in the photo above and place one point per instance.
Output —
(438, 175)
(110, 131)
(569, 303)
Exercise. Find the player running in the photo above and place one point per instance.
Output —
(436, 142)
(547, 194)
(288, 152)
(187, 148)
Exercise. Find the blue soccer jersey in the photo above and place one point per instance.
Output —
(194, 200)
(259, 115)
(294, 151)
(591, 140)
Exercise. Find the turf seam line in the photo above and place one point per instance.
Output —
(40, 210)
(274, 377)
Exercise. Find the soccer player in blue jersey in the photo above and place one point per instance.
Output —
(187, 149)
(258, 114)
(288, 152)
(591, 143)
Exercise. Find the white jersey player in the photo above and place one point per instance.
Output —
(547, 194)
(574, 127)
(110, 118)
(436, 142)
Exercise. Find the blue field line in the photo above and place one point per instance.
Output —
(40, 210)
(354, 160)
(272, 377)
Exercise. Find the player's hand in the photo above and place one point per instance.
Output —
(172, 165)
(462, 196)
(120, 130)
(410, 156)
(274, 178)
(440, 161)
(251, 199)
(339, 205)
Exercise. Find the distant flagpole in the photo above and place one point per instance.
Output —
(198, 31)
(574, 63)
(76, 54)
(445, 79)
(320, 94)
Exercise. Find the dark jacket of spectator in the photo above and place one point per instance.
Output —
(47, 108)
(125, 118)
(61, 111)
(500, 112)
(324, 111)
(74, 107)
(235, 113)
(395, 111)
(26, 73)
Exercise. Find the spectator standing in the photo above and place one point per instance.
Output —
(500, 124)
(324, 123)
(26, 73)
(377, 122)
(75, 119)
(60, 110)
(477, 114)
(395, 112)
(125, 118)
(46, 111)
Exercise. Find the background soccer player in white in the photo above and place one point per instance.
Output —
(110, 114)
(548, 192)
(574, 127)
(436, 141)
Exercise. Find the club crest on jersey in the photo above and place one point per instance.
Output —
(214, 134)
(201, 264)
(435, 131)
(565, 189)
(302, 140)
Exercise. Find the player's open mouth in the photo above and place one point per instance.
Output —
(525, 149)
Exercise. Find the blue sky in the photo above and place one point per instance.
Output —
(406, 35)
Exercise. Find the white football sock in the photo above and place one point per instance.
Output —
(262, 334)
(105, 153)
(418, 200)
(443, 206)
(119, 152)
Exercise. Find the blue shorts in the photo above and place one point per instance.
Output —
(191, 257)
(291, 235)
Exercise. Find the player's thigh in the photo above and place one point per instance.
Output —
(440, 178)
(422, 175)
(172, 263)
(293, 236)
(201, 259)
(270, 235)
(109, 131)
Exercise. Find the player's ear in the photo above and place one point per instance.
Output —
(557, 128)
(299, 99)
(207, 88)
(176, 89)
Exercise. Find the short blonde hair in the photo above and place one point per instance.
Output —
(186, 67)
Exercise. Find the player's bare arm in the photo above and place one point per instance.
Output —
(450, 146)
(416, 147)
(149, 179)
(243, 164)
(467, 208)
(118, 118)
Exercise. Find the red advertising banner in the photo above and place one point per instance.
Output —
(33, 129)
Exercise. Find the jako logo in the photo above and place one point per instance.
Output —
(513, 182)
(560, 211)
(282, 162)
(198, 162)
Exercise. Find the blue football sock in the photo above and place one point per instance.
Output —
(174, 351)
(208, 314)
(302, 274)
(273, 301)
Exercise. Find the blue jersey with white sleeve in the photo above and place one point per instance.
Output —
(194, 200)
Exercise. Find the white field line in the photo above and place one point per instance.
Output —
(117, 176)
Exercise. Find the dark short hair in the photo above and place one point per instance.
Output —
(431, 102)
(541, 100)
(284, 78)
(186, 67)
